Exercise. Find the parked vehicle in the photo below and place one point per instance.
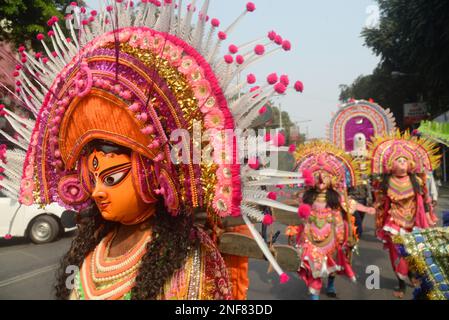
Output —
(40, 225)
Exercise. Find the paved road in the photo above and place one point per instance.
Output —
(27, 271)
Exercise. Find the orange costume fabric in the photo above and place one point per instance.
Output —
(238, 269)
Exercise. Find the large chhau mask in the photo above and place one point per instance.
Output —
(151, 180)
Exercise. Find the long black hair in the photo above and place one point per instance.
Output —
(166, 253)
(332, 198)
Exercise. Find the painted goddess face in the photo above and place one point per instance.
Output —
(113, 188)
(400, 167)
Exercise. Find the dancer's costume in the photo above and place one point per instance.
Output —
(152, 82)
(403, 202)
(351, 128)
(326, 236)
(427, 251)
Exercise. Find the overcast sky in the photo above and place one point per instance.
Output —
(327, 48)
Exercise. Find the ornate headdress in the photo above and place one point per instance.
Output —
(150, 81)
(359, 117)
(323, 157)
(421, 152)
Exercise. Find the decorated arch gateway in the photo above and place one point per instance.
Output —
(356, 122)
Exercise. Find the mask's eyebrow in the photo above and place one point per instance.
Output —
(126, 165)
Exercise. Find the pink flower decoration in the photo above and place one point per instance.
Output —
(222, 36)
(8, 237)
(279, 140)
(251, 79)
(272, 196)
(285, 80)
(240, 59)
(299, 86)
(233, 49)
(292, 148)
(280, 88)
(187, 64)
(278, 40)
(40, 37)
(228, 59)
(286, 45)
(272, 78)
(259, 49)
(202, 90)
(272, 35)
(250, 7)
(254, 163)
(304, 211)
(214, 119)
(215, 23)
(284, 278)
(263, 110)
(267, 137)
(268, 220)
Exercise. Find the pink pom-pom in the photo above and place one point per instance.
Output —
(310, 182)
(15, 74)
(228, 59)
(292, 148)
(74, 4)
(251, 79)
(109, 8)
(51, 33)
(22, 49)
(272, 78)
(259, 49)
(304, 211)
(250, 7)
(40, 37)
(240, 59)
(215, 23)
(272, 196)
(233, 49)
(263, 110)
(280, 88)
(254, 163)
(284, 278)
(286, 45)
(268, 220)
(272, 35)
(8, 237)
(285, 80)
(278, 40)
(306, 174)
(299, 86)
(267, 137)
(279, 140)
(222, 36)
(93, 13)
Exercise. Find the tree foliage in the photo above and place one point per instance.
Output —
(413, 39)
(22, 20)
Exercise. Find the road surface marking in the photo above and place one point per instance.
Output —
(28, 275)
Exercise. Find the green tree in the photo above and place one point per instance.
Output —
(22, 20)
(413, 39)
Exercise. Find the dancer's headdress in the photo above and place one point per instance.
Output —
(322, 157)
(359, 116)
(138, 79)
(421, 152)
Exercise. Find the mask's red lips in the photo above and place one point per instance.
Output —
(103, 205)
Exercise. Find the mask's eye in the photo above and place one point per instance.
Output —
(115, 178)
